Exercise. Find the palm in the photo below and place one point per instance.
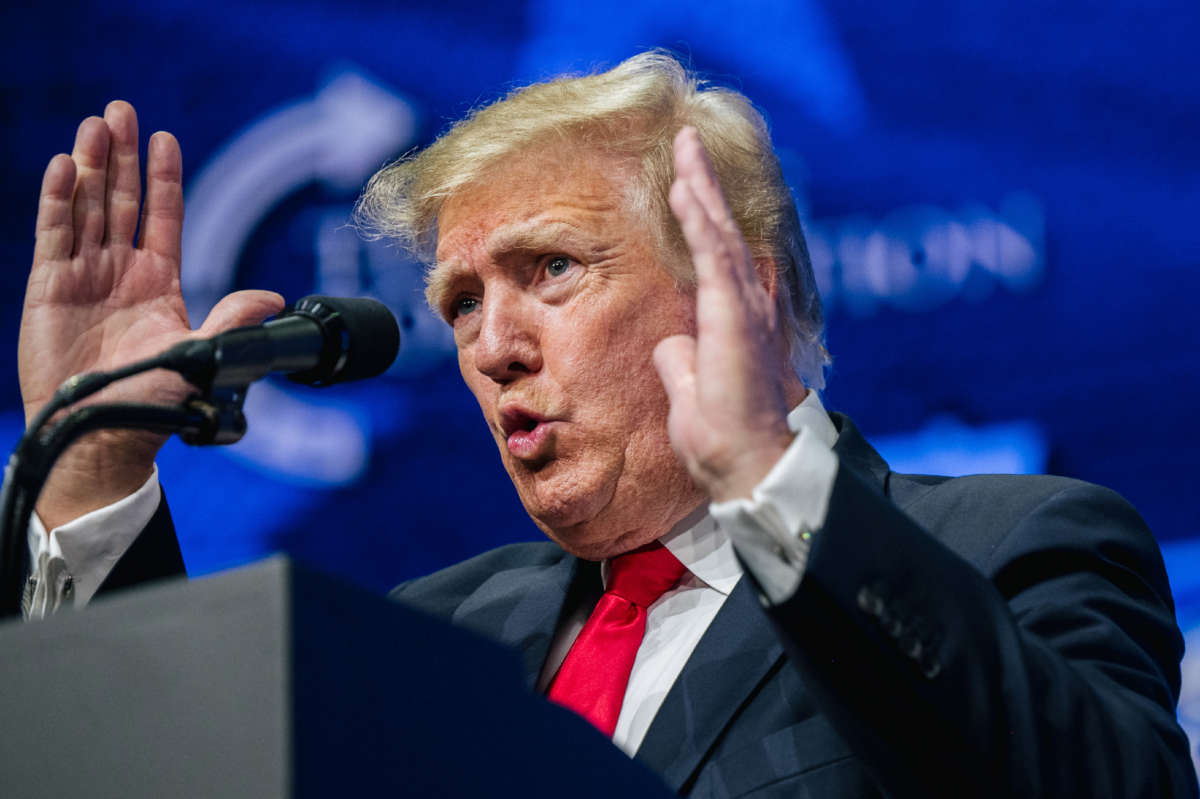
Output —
(729, 385)
(95, 311)
(97, 300)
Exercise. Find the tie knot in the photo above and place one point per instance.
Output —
(645, 574)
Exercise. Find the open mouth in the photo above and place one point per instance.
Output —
(527, 434)
(518, 420)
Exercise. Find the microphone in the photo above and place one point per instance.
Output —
(318, 341)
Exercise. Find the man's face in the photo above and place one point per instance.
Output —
(557, 297)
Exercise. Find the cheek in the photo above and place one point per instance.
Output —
(484, 390)
(467, 369)
(619, 366)
(613, 374)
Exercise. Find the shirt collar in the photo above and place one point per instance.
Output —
(703, 548)
(811, 414)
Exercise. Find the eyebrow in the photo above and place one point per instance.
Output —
(437, 283)
(535, 235)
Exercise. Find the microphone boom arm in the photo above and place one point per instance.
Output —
(30, 464)
(319, 340)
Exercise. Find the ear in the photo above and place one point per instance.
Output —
(794, 389)
(768, 275)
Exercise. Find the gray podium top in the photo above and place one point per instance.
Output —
(274, 681)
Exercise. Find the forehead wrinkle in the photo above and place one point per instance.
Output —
(545, 230)
(536, 234)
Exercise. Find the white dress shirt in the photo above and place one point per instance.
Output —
(69, 565)
(771, 533)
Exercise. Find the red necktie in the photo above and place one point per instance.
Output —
(593, 677)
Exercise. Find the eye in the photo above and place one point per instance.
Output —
(462, 306)
(558, 265)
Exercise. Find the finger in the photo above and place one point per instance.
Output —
(735, 308)
(124, 186)
(91, 165)
(239, 309)
(711, 253)
(162, 213)
(675, 360)
(55, 229)
(693, 167)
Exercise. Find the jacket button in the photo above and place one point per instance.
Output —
(869, 602)
(892, 625)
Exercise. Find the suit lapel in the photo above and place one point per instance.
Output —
(854, 451)
(735, 654)
(522, 607)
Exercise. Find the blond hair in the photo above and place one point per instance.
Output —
(633, 110)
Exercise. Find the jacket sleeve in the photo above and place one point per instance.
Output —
(153, 555)
(1047, 667)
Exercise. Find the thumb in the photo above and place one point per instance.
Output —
(239, 309)
(675, 360)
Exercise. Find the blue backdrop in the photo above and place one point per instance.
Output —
(1001, 203)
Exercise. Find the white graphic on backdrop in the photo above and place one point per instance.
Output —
(921, 257)
(337, 137)
(345, 261)
(946, 445)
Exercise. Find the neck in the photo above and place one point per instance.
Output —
(794, 391)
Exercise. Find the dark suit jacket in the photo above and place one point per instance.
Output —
(976, 636)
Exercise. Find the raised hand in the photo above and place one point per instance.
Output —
(730, 386)
(97, 300)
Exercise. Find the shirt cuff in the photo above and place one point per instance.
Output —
(91, 545)
(773, 530)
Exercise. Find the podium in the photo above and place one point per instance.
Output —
(275, 681)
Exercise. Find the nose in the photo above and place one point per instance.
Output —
(507, 346)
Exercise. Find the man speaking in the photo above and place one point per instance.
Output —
(739, 591)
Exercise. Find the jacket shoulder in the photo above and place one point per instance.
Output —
(1008, 524)
(1004, 498)
(443, 591)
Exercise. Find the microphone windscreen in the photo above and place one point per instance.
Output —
(362, 336)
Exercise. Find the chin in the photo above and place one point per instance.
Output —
(565, 499)
(589, 543)
(600, 530)
(586, 526)
(579, 533)
(598, 508)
